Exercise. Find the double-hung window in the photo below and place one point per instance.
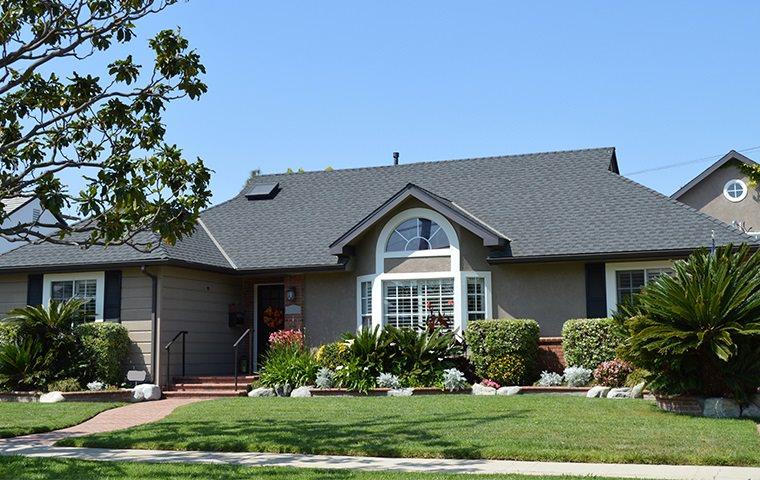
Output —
(365, 295)
(476, 298)
(87, 287)
(631, 282)
(408, 303)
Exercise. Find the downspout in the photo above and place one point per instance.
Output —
(153, 320)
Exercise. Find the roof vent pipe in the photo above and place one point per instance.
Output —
(395, 158)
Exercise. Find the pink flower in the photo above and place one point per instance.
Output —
(284, 338)
(486, 382)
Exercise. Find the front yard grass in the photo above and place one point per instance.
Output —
(523, 427)
(24, 468)
(25, 418)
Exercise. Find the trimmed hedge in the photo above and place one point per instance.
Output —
(503, 350)
(587, 342)
(8, 332)
(105, 347)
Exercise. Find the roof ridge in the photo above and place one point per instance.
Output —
(683, 206)
(424, 162)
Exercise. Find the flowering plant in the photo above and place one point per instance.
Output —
(613, 373)
(285, 338)
(489, 383)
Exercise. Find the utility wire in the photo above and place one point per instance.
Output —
(688, 162)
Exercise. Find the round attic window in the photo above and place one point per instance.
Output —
(735, 190)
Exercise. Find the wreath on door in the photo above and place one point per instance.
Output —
(273, 318)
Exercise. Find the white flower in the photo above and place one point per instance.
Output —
(339, 367)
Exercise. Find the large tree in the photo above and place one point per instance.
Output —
(105, 127)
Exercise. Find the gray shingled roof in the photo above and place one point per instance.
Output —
(548, 204)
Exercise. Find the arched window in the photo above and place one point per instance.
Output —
(417, 234)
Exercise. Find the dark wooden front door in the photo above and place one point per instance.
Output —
(270, 305)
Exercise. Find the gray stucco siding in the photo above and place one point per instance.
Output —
(329, 306)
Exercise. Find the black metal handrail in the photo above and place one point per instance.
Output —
(235, 348)
(168, 346)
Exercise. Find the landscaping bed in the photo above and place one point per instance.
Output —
(83, 396)
(521, 427)
(25, 418)
(375, 392)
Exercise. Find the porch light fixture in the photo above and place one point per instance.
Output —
(290, 294)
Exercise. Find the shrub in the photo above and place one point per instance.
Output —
(282, 338)
(22, 365)
(325, 378)
(8, 332)
(549, 379)
(96, 386)
(331, 355)
(104, 347)
(587, 342)
(454, 380)
(698, 331)
(509, 369)
(65, 385)
(502, 343)
(388, 380)
(577, 376)
(290, 364)
(418, 357)
(613, 373)
(353, 376)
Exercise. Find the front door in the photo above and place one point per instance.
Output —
(270, 315)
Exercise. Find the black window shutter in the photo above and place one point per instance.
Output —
(112, 296)
(596, 291)
(34, 290)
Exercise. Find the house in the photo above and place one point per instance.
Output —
(20, 210)
(724, 192)
(549, 236)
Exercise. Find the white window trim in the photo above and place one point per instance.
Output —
(359, 281)
(398, 219)
(486, 276)
(729, 197)
(100, 281)
(611, 270)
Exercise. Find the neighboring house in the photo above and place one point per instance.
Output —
(724, 192)
(23, 210)
(549, 236)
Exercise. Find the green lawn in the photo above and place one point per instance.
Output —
(24, 418)
(523, 427)
(22, 468)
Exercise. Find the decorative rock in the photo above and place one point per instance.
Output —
(751, 410)
(283, 390)
(301, 392)
(478, 389)
(262, 392)
(52, 397)
(508, 391)
(721, 408)
(638, 390)
(622, 392)
(146, 391)
(400, 392)
(598, 391)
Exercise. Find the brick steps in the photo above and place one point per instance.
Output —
(208, 386)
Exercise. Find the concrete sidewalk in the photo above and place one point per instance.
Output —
(664, 472)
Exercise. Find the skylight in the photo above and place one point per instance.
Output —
(263, 191)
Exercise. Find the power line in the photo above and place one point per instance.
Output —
(688, 162)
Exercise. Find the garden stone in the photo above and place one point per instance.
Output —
(638, 390)
(261, 392)
(146, 391)
(721, 408)
(479, 389)
(52, 397)
(508, 391)
(598, 391)
(400, 392)
(301, 392)
(622, 392)
(283, 390)
(751, 410)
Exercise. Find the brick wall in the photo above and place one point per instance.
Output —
(551, 356)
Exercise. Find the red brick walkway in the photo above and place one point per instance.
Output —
(114, 419)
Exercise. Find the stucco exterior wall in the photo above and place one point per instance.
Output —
(198, 302)
(707, 196)
(424, 264)
(329, 306)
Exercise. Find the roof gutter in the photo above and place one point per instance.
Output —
(636, 255)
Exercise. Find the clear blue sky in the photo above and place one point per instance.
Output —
(311, 84)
